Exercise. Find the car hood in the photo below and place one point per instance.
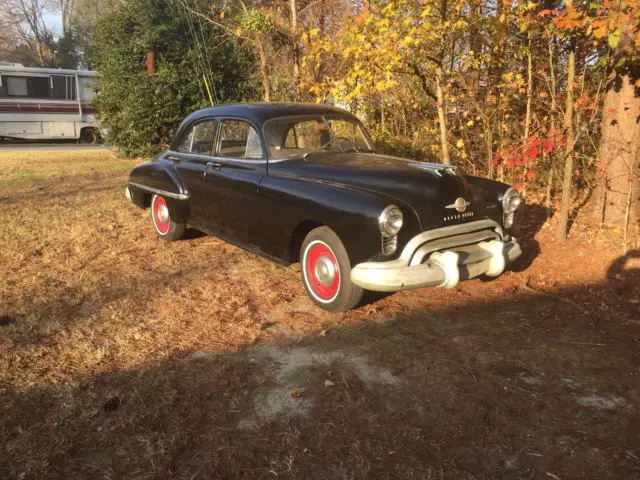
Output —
(429, 190)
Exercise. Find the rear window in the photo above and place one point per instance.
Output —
(199, 138)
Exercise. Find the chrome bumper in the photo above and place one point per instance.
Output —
(441, 258)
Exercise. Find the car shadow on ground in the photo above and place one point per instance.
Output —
(529, 221)
(192, 234)
(538, 384)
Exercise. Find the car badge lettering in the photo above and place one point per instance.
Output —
(460, 204)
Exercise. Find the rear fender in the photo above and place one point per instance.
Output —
(160, 178)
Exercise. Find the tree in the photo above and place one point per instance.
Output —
(25, 18)
(614, 27)
(84, 17)
(618, 194)
(383, 46)
(565, 206)
(140, 111)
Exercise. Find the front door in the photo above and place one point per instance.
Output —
(233, 176)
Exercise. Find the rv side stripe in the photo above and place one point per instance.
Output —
(43, 108)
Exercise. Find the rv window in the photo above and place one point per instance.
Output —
(38, 87)
(32, 87)
(59, 90)
(17, 86)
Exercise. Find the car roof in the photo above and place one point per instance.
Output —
(260, 112)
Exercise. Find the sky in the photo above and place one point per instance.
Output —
(52, 21)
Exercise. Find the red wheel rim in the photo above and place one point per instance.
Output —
(160, 205)
(322, 271)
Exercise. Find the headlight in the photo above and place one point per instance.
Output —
(511, 201)
(390, 221)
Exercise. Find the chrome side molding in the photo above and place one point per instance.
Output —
(164, 193)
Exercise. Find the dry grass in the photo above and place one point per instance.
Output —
(122, 356)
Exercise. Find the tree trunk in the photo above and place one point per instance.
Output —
(619, 152)
(496, 69)
(296, 50)
(442, 118)
(552, 163)
(527, 119)
(547, 201)
(563, 218)
(489, 145)
(264, 70)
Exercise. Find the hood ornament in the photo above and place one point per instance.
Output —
(460, 204)
(436, 168)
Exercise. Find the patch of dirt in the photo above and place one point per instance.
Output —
(136, 358)
(294, 373)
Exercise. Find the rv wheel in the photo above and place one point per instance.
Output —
(90, 135)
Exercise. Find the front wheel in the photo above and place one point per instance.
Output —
(326, 271)
(166, 228)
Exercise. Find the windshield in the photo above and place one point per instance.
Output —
(289, 137)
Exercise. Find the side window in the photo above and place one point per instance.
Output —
(32, 87)
(199, 138)
(38, 87)
(292, 139)
(238, 139)
(17, 86)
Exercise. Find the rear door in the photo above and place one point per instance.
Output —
(191, 157)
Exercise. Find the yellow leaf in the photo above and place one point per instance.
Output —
(460, 144)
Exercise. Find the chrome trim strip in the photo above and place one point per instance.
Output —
(452, 243)
(164, 193)
(243, 161)
(451, 230)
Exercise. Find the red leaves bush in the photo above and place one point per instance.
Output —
(522, 161)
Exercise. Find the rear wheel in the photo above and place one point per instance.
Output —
(166, 228)
(326, 271)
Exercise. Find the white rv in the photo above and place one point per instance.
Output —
(47, 103)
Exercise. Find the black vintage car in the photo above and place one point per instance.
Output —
(301, 182)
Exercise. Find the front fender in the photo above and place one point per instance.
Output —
(351, 213)
(161, 178)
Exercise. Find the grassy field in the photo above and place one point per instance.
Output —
(122, 356)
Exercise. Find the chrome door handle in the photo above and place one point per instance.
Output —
(173, 158)
(211, 166)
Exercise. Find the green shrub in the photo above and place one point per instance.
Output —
(140, 111)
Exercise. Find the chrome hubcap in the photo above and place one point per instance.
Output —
(325, 270)
(163, 213)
